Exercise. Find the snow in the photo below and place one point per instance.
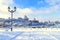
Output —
(30, 34)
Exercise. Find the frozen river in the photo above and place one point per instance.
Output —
(30, 34)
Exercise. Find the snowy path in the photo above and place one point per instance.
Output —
(30, 34)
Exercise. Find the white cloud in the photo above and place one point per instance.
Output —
(4, 11)
(3, 8)
(54, 6)
(6, 2)
(52, 2)
(24, 11)
(33, 11)
(21, 12)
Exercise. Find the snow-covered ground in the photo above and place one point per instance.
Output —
(30, 34)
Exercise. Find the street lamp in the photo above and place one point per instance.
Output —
(11, 11)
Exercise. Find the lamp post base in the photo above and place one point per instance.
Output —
(11, 29)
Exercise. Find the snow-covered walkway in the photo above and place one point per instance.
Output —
(30, 34)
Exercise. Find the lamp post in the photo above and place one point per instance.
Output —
(11, 11)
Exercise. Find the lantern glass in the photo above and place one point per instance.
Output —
(8, 7)
(14, 7)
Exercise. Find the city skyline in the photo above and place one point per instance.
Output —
(40, 9)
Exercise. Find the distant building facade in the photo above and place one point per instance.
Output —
(25, 22)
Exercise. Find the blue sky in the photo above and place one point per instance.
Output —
(31, 3)
(39, 9)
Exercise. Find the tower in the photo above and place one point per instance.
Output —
(26, 18)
